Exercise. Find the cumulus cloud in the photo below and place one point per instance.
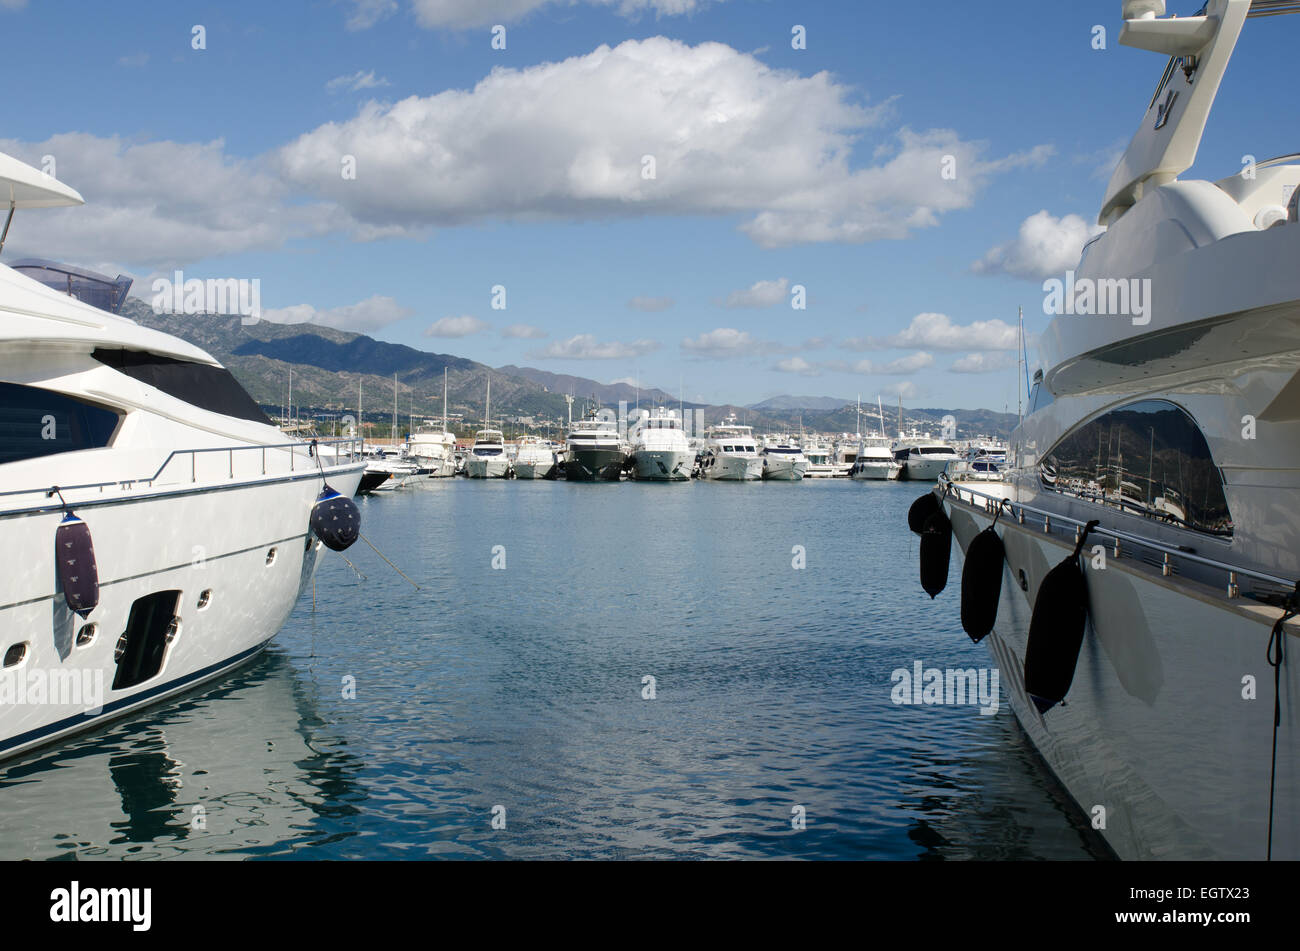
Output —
(587, 347)
(465, 326)
(938, 332)
(898, 367)
(729, 342)
(759, 294)
(523, 332)
(356, 82)
(651, 304)
(1046, 245)
(561, 140)
(161, 205)
(984, 363)
(361, 317)
(798, 365)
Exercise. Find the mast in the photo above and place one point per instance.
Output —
(487, 405)
(1020, 344)
(880, 408)
(394, 409)
(444, 400)
(361, 431)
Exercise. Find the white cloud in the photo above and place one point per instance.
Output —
(984, 363)
(463, 14)
(898, 367)
(361, 317)
(759, 294)
(366, 13)
(587, 347)
(456, 327)
(938, 332)
(161, 205)
(651, 304)
(906, 390)
(798, 365)
(356, 82)
(565, 140)
(523, 332)
(729, 342)
(1046, 245)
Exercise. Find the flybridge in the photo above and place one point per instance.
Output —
(1199, 49)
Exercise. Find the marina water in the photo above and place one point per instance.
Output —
(505, 712)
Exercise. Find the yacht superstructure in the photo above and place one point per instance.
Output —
(595, 451)
(730, 453)
(660, 450)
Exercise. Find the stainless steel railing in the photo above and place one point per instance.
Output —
(1169, 555)
(302, 457)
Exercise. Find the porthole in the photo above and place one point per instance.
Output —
(16, 654)
(205, 598)
(270, 557)
(86, 636)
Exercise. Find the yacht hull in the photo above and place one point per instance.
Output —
(784, 470)
(925, 470)
(594, 465)
(249, 547)
(875, 471)
(733, 469)
(487, 467)
(662, 465)
(1154, 730)
(535, 470)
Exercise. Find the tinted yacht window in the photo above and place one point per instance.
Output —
(35, 422)
(207, 387)
(1148, 458)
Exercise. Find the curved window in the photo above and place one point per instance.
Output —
(199, 384)
(36, 422)
(1148, 459)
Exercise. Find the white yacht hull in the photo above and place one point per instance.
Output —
(537, 469)
(438, 468)
(662, 465)
(923, 469)
(487, 467)
(875, 471)
(1155, 729)
(784, 470)
(190, 540)
(734, 469)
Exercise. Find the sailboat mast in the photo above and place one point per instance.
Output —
(394, 409)
(1020, 344)
(444, 399)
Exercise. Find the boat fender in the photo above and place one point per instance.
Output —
(921, 511)
(74, 554)
(936, 552)
(335, 519)
(981, 581)
(1056, 630)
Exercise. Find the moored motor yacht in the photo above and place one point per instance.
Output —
(730, 453)
(595, 451)
(534, 459)
(1153, 491)
(875, 461)
(783, 461)
(660, 450)
(159, 528)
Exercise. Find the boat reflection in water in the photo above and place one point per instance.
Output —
(237, 770)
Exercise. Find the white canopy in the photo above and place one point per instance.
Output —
(22, 186)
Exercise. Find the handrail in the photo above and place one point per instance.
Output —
(312, 447)
(1168, 551)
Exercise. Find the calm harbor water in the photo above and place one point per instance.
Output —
(522, 687)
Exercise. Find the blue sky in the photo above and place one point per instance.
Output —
(522, 167)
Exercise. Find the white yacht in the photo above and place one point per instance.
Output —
(595, 451)
(875, 461)
(923, 459)
(660, 450)
(535, 459)
(819, 459)
(730, 453)
(158, 528)
(783, 461)
(487, 458)
(1159, 463)
(435, 452)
